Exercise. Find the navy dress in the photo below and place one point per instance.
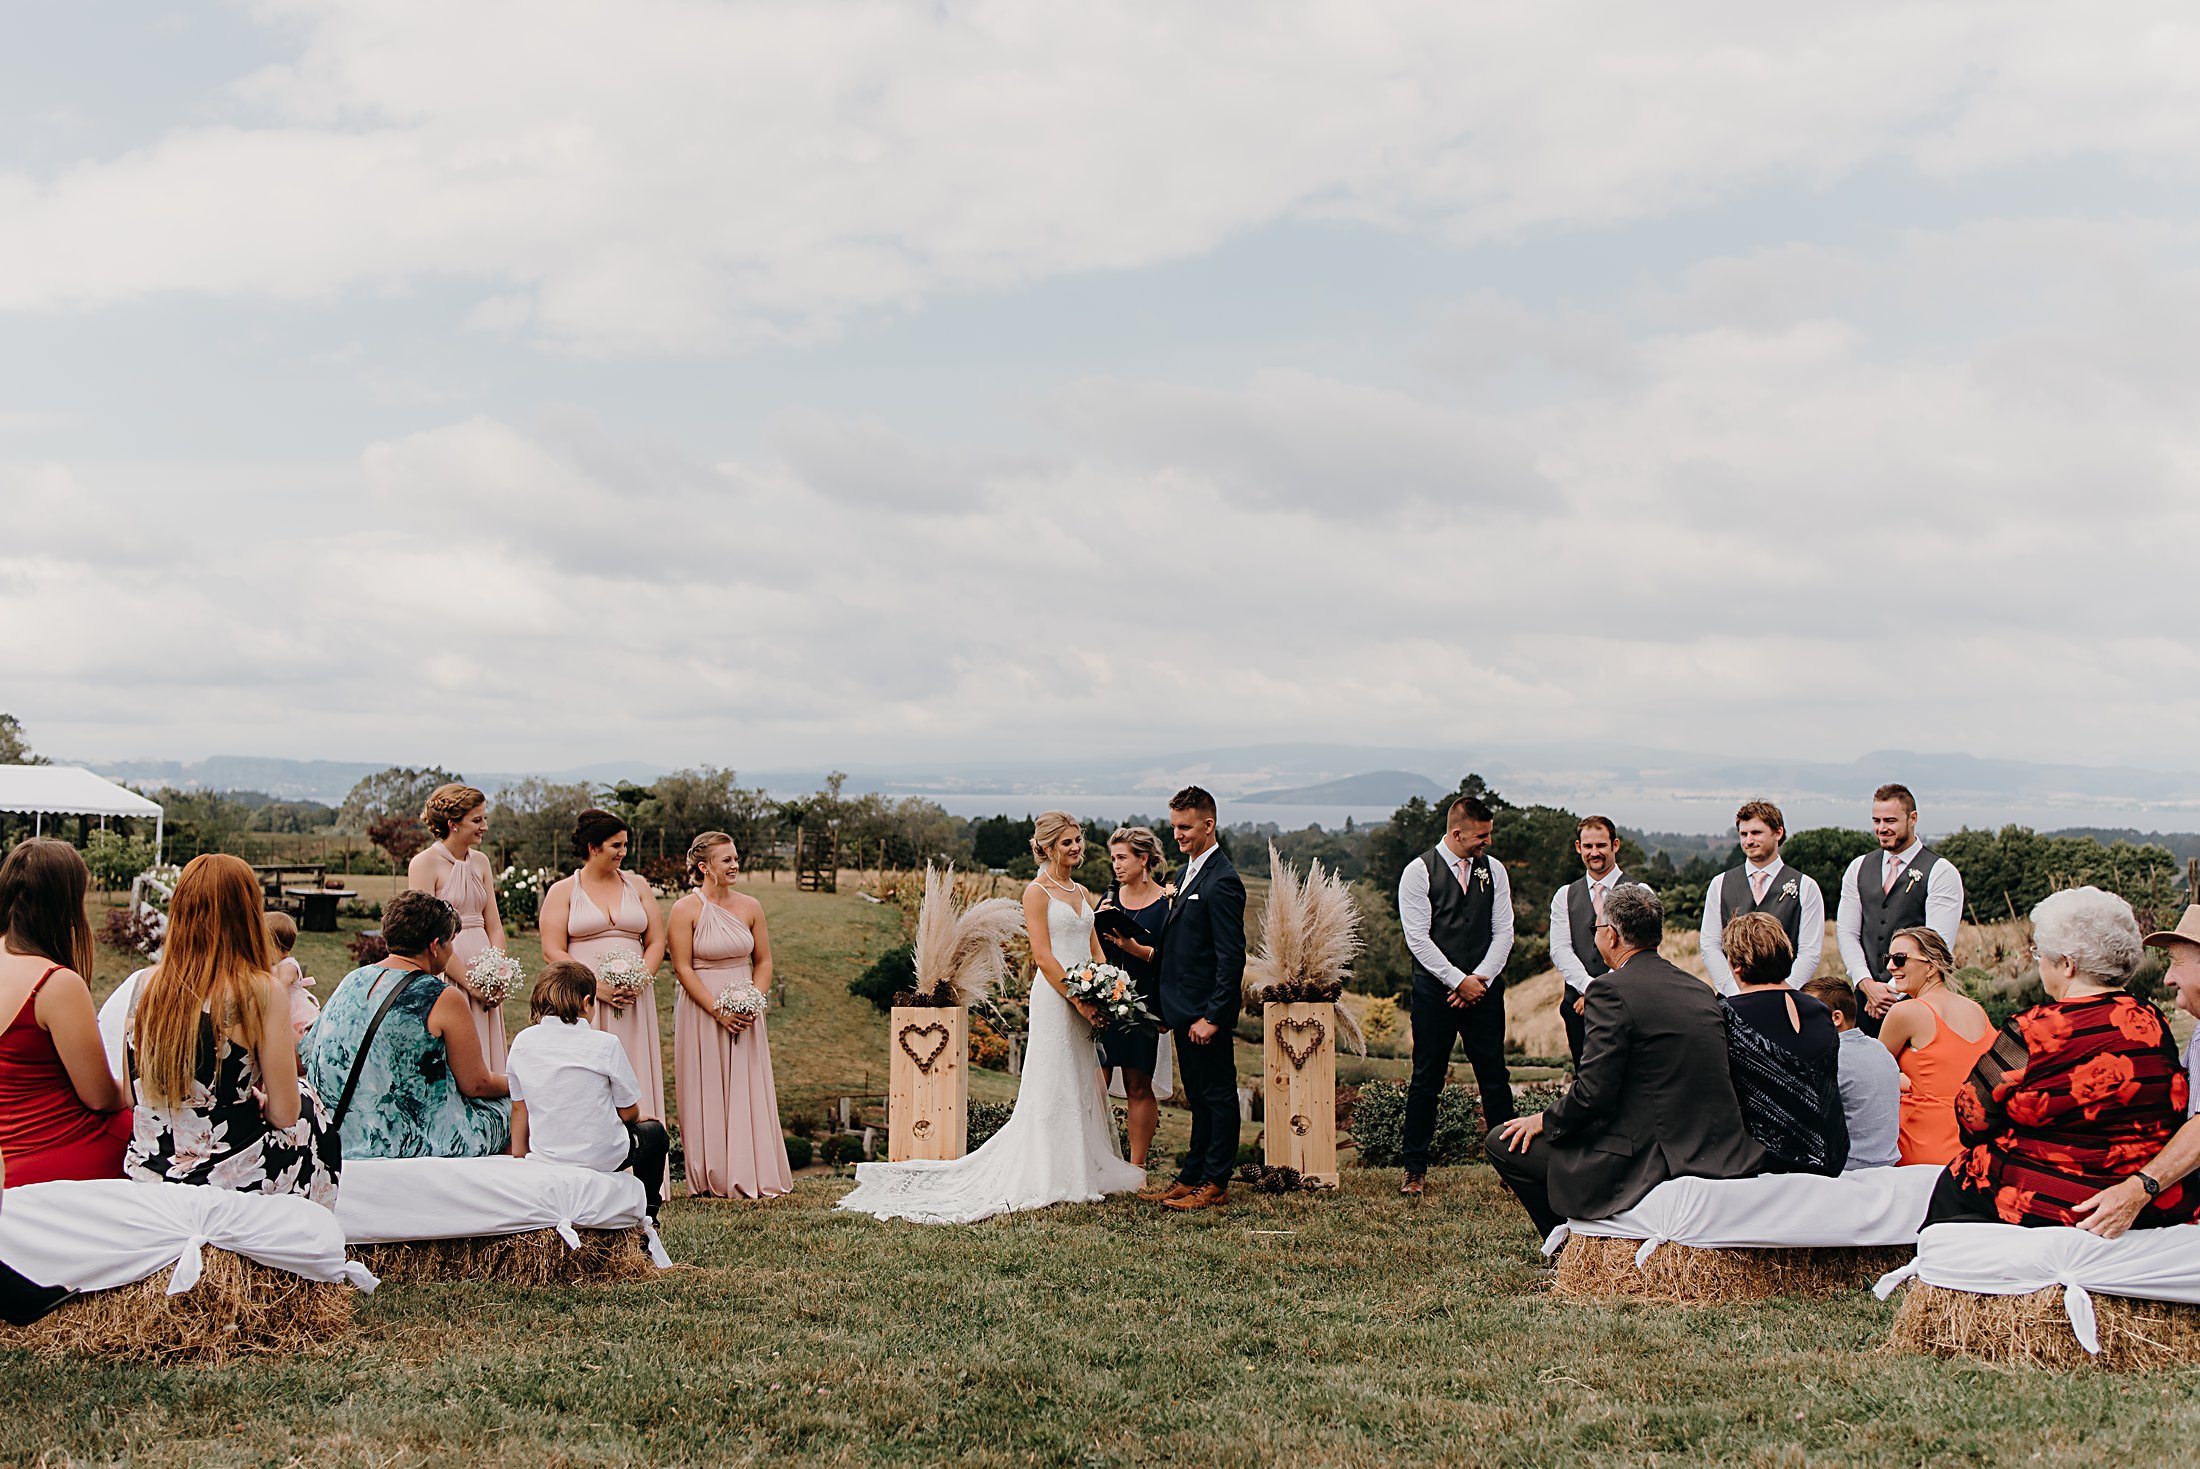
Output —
(1136, 1050)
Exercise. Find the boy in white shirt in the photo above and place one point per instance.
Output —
(575, 1098)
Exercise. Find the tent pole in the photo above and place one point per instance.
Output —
(159, 822)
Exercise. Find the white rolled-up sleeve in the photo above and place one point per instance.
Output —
(1563, 958)
(1501, 924)
(1848, 926)
(1810, 936)
(1944, 900)
(1713, 938)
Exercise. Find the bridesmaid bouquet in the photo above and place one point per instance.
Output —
(494, 974)
(623, 976)
(1110, 990)
(737, 1000)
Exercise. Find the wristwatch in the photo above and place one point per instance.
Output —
(2151, 1185)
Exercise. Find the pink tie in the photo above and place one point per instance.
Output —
(1466, 871)
(1894, 870)
(1757, 881)
(1596, 898)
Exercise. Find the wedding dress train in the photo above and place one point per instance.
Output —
(1058, 1146)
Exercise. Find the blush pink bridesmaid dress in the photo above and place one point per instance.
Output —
(729, 1106)
(464, 889)
(592, 937)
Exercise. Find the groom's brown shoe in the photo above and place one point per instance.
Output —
(1206, 1196)
(1174, 1191)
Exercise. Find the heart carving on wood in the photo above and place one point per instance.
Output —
(926, 1060)
(1300, 1055)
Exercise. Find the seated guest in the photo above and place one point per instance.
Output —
(1783, 1053)
(575, 1099)
(290, 975)
(2111, 1211)
(213, 1057)
(1652, 1099)
(1871, 1084)
(397, 1048)
(62, 1112)
(1936, 1036)
(2074, 1095)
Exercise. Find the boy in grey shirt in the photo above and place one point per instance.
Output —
(1871, 1082)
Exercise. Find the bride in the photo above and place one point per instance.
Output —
(1059, 1145)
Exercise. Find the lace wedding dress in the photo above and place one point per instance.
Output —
(1057, 1148)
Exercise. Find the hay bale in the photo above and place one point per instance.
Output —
(2034, 1330)
(238, 1308)
(537, 1257)
(1597, 1266)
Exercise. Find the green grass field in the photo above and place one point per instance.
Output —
(1352, 1328)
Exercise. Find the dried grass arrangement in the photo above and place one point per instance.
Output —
(1309, 935)
(537, 1257)
(960, 954)
(238, 1309)
(1601, 1267)
(2034, 1330)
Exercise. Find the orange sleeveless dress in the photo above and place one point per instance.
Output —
(1937, 1071)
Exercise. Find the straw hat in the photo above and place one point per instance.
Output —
(2188, 929)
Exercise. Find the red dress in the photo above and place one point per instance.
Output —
(45, 1131)
(2074, 1096)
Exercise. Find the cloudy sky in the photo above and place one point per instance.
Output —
(517, 385)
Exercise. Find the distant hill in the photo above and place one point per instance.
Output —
(1375, 788)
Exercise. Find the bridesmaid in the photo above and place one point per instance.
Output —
(600, 911)
(722, 1068)
(1129, 926)
(455, 869)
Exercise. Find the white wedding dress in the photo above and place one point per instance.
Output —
(1058, 1147)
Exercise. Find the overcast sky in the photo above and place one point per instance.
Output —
(519, 385)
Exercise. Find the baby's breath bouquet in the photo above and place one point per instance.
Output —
(494, 974)
(623, 978)
(738, 1000)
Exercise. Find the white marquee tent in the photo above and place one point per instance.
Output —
(40, 791)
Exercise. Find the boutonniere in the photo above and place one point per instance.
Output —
(1915, 878)
(1792, 888)
(1481, 877)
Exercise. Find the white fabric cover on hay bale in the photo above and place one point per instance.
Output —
(276, 1279)
(496, 1218)
(1747, 1238)
(2052, 1297)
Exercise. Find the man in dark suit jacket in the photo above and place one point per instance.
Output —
(1202, 969)
(1652, 1098)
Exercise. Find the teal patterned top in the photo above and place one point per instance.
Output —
(408, 1104)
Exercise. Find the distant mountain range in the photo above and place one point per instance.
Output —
(1664, 790)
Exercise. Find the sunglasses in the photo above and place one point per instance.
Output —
(1904, 961)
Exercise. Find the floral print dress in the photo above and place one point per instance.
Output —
(219, 1138)
(2074, 1095)
(408, 1104)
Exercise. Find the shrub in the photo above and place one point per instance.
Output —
(2000, 995)
(891, 973)
(114, 858)
(367, 947)
(988, 1048)
(1348, 1101)
(985, 1119)
(366, 908)
(666, 874)
(844, 1148)
(798, 1153)
(1379, 1125)
(131, 931)
(519, 895)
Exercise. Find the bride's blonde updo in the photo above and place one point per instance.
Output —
(1143, 844)
(1047, 831)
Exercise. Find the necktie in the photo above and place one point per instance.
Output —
(1596, 898)
(1757, 881)
(1466, 872)
(1894, 870)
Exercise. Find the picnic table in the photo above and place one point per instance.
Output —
(317, 906)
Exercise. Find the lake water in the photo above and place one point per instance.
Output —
(1115, 808)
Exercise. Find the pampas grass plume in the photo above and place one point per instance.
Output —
(959, 950)
(1309, 935)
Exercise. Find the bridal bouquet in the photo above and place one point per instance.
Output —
(624, 978)
(737, 1000)
(1110, 991)
(494, 974)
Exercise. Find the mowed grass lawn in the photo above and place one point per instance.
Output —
(1346, 1328)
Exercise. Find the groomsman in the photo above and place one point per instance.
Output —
(1902, 885)
(1575, 909)
(1764, 884)
(1455, 904)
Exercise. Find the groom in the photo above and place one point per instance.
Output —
(1202, 967)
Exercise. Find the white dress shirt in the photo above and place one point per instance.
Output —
(1810, 934)
(574, 1079)
(1414, 914)
(1943, 907)
(1191, 869)
(1571, 966)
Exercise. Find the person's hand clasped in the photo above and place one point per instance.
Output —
(2112, 1209)
(1879, 998)
(1469, 990)
(1090, 1011)
(1521, 1131)
(1203, 1031)
(1581, 1004)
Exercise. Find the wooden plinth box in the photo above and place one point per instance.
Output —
(1299, 1062)
(928, 1102)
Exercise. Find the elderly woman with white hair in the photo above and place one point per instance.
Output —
(2075, 1094)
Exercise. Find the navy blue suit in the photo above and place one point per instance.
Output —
(1202, 975)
